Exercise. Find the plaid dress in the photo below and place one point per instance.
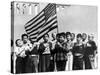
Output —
(61, 56)
(61, 52)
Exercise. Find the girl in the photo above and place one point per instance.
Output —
(69, 48)
(78, 53)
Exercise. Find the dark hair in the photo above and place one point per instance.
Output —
(57, 35)
(62, 34)
(68, 33)
(45, 34)
(24, 35)
(16, 42)
(79, 35)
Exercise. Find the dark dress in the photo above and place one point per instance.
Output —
(78, 59)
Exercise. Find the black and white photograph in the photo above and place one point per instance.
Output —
(51, 37)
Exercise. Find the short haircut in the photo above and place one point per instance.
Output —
(24, 35)
(62, 34)
(58, 35)
(16, 42)
(46, 34)
(91, 35)
(79, 35)
(68, 33)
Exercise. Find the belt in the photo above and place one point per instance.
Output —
(33, 55)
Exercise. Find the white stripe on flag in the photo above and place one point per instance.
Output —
(42, 13)
(51, 17)
(29, 31)
(48, 25)
(36, 23)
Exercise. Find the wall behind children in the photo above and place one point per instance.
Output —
(73, 18)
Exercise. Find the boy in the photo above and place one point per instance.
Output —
(34, 57)
(27, 45)
(45, 54)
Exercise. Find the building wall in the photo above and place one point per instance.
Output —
(74, 18)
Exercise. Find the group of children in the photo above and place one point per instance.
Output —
(56, 54)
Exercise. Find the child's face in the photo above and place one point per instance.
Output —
(62, 39)
(20, 42)
(68, 37)
(46, 38)
(79, 39)
(25, 39)
(90, 38)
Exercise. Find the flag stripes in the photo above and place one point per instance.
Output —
(29, 25)
(42, 23)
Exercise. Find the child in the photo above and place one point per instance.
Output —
(69, 48)
(20, 53)
(27, 46)
(90, 52)
(78, 53)
(52, 59)
(45, 54)
(33, 56)
(61, 52)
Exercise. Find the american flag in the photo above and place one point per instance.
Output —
(42, 23)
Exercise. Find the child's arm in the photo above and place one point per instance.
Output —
(16, 51)
(41, 48)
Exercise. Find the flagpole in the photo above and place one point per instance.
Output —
(57, 21)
